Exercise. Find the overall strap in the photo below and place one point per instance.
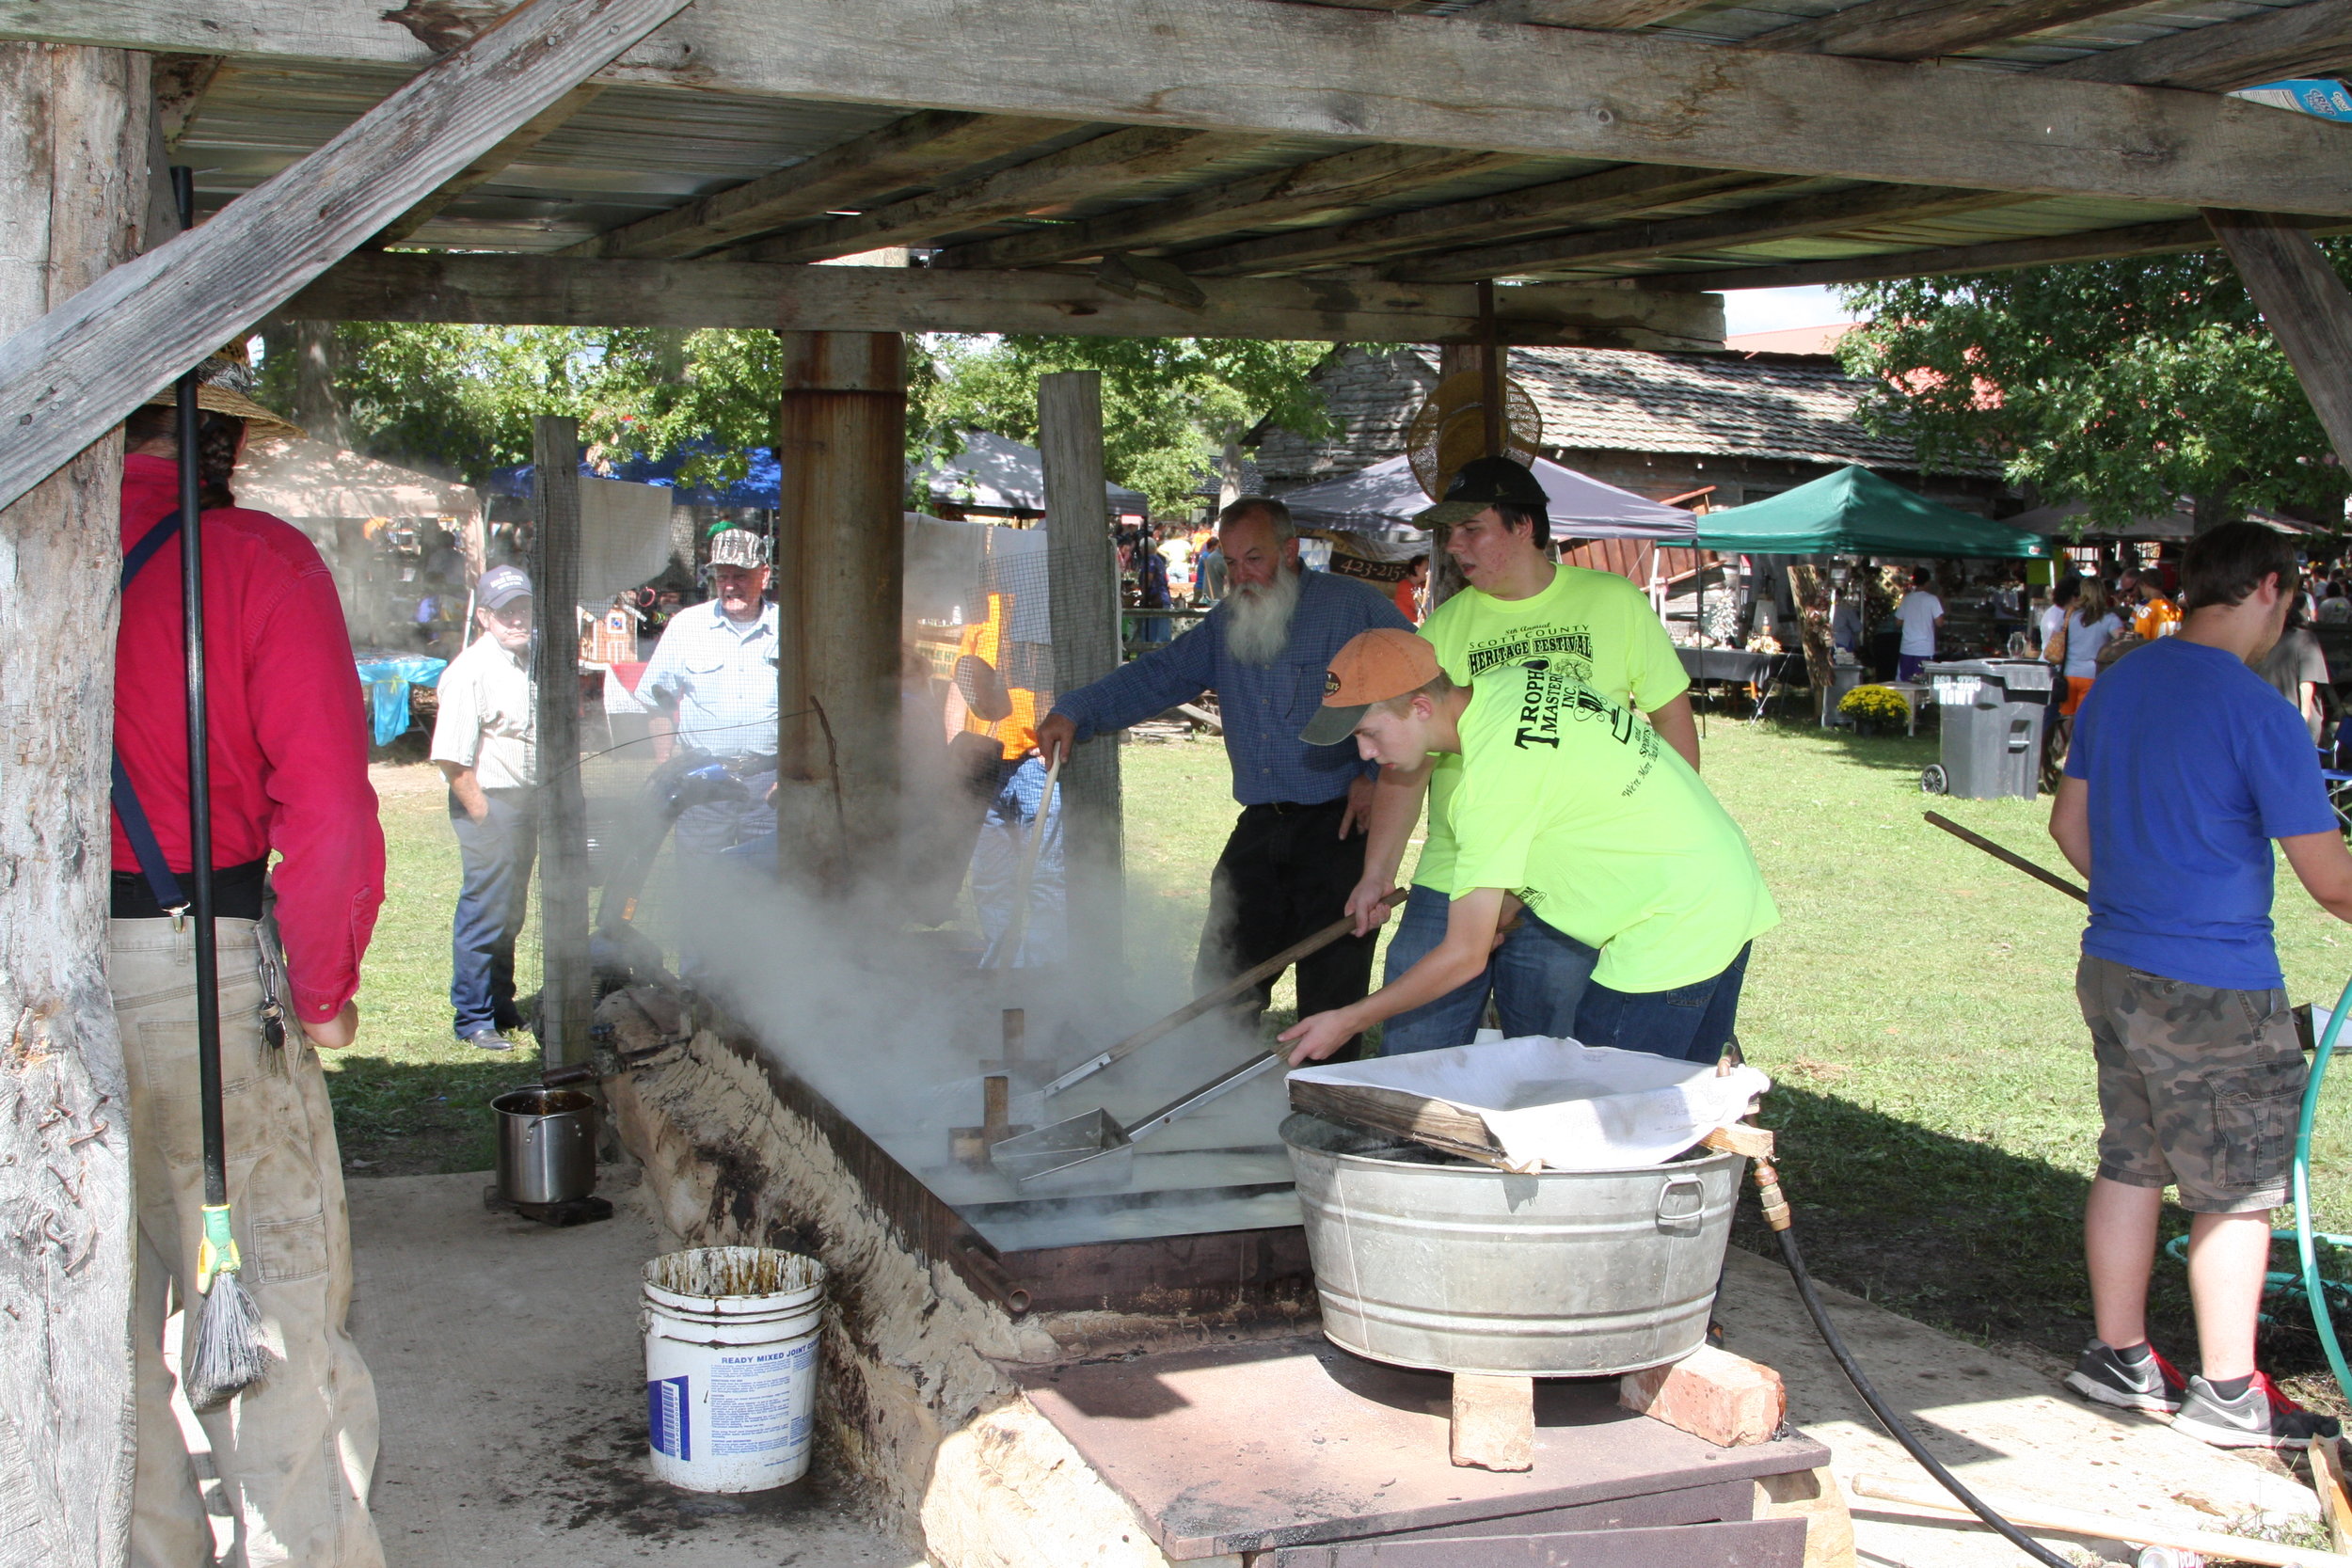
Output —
(136, 826)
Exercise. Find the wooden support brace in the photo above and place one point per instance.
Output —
(72, 376)
(2307, 307)
(1727, 1399)
(1493, 1423)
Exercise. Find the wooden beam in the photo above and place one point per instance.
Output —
(67, 378)
(2290, 40)
(1923, 29)
(1281, 69)
(1600, 16)
(1041, 185)
(73, 154)
(1302, 190)
(180, 82)
(2101, 245)
(491, 163)
(2306, 307)
(568, 981)
(908, 151)
(1587, 199)
(1863, 207)
(559, 291)
(1082, 593)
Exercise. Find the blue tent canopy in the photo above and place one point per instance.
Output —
(762, 486)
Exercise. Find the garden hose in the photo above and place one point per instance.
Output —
(2315, 1287)
(1776, 1215)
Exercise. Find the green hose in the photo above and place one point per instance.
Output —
(2314, 1289)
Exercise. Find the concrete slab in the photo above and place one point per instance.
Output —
(2004, 1426)
(510, 1368)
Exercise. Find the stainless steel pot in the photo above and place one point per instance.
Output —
(1427, 1262)
(547, 1144)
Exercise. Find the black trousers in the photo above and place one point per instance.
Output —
(1286, 874)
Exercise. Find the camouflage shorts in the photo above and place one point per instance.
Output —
(2198, 1087)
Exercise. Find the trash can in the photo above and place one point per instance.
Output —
(1990, 711)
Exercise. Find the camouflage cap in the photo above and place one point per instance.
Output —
(738, 547)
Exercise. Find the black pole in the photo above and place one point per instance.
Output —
(200, 762)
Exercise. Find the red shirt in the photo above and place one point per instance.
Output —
(289, 731)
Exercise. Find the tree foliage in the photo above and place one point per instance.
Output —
(461, 399)
(2123, 383)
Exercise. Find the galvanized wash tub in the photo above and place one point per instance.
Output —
(1425, 1261)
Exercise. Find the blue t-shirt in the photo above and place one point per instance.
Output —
(2194, 764)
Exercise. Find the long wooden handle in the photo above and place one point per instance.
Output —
(2068, 1521)
(2007, 856)
(1216, 998)
(1009, 951)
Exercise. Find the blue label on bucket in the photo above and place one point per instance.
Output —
(666, 1415)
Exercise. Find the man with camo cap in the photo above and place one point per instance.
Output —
(2185, 769)
(712, 685)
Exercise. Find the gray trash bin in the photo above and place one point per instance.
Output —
(1990, 711)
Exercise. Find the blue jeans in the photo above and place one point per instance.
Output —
(1690, 1022)
(492, 897)
(1536, 978)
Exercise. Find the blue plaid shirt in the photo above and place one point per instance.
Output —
(1264, 706)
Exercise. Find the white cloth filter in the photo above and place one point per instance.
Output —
(1554, 1104)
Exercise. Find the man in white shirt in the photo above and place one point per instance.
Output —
(486, 741)
(1920, 614)
(711, 683)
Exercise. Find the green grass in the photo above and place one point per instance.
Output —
(1915, 1008)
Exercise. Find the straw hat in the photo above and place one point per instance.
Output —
(224, 385)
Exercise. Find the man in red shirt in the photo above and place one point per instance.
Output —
(289, 775)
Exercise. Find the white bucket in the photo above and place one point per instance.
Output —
(731, 1366)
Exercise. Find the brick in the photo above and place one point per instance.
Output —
(1493, 1423)
(1711, 1394)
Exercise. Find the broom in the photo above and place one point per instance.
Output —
(229, 1355)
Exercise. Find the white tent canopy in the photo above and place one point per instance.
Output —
(994, 474)
(304, 481)
(1385, 497)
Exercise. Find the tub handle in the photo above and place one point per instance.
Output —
(1672, 1212)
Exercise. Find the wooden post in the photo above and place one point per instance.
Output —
(565, 981)
(2308, 309)
(74, 192)
(1082, 576)
(840, 573)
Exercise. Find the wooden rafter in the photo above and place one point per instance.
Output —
(559, 291)
(1586, 199)
(2291, 41)
(2306, 307)
(1274, 69)
(2099, 245)
(1867, 206)
(1600, 16)
(1321, 186)
(1041, 185)
(1923, 29)
(910, 152)
(72, 376)
(493, 163)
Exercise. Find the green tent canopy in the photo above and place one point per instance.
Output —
(1853, 512)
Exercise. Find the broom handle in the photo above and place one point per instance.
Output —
(2007, 856)
(1009, 953)
(200, 764)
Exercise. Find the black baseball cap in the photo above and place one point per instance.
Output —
(1485, 482)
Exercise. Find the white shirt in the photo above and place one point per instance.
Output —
(488, 719)
(2051, 618)
(719, 678)
(1918, 613)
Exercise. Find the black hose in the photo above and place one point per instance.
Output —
(1777, 1214)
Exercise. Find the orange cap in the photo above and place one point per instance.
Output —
(1374, 666)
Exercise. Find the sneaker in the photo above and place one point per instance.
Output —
(488, 1039)
(2101, 1376)
(2262, 1417)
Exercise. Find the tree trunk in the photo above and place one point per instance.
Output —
(316, 408)
(2214, 508)
(74, 195)
(1811, 587)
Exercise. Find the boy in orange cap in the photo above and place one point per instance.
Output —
(1572, 812)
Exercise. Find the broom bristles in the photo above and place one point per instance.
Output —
(229, 1356)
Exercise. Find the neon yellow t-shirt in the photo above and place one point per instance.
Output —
(1596, 624)
(1573, 803)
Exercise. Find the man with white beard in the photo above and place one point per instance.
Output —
(1297, 849)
